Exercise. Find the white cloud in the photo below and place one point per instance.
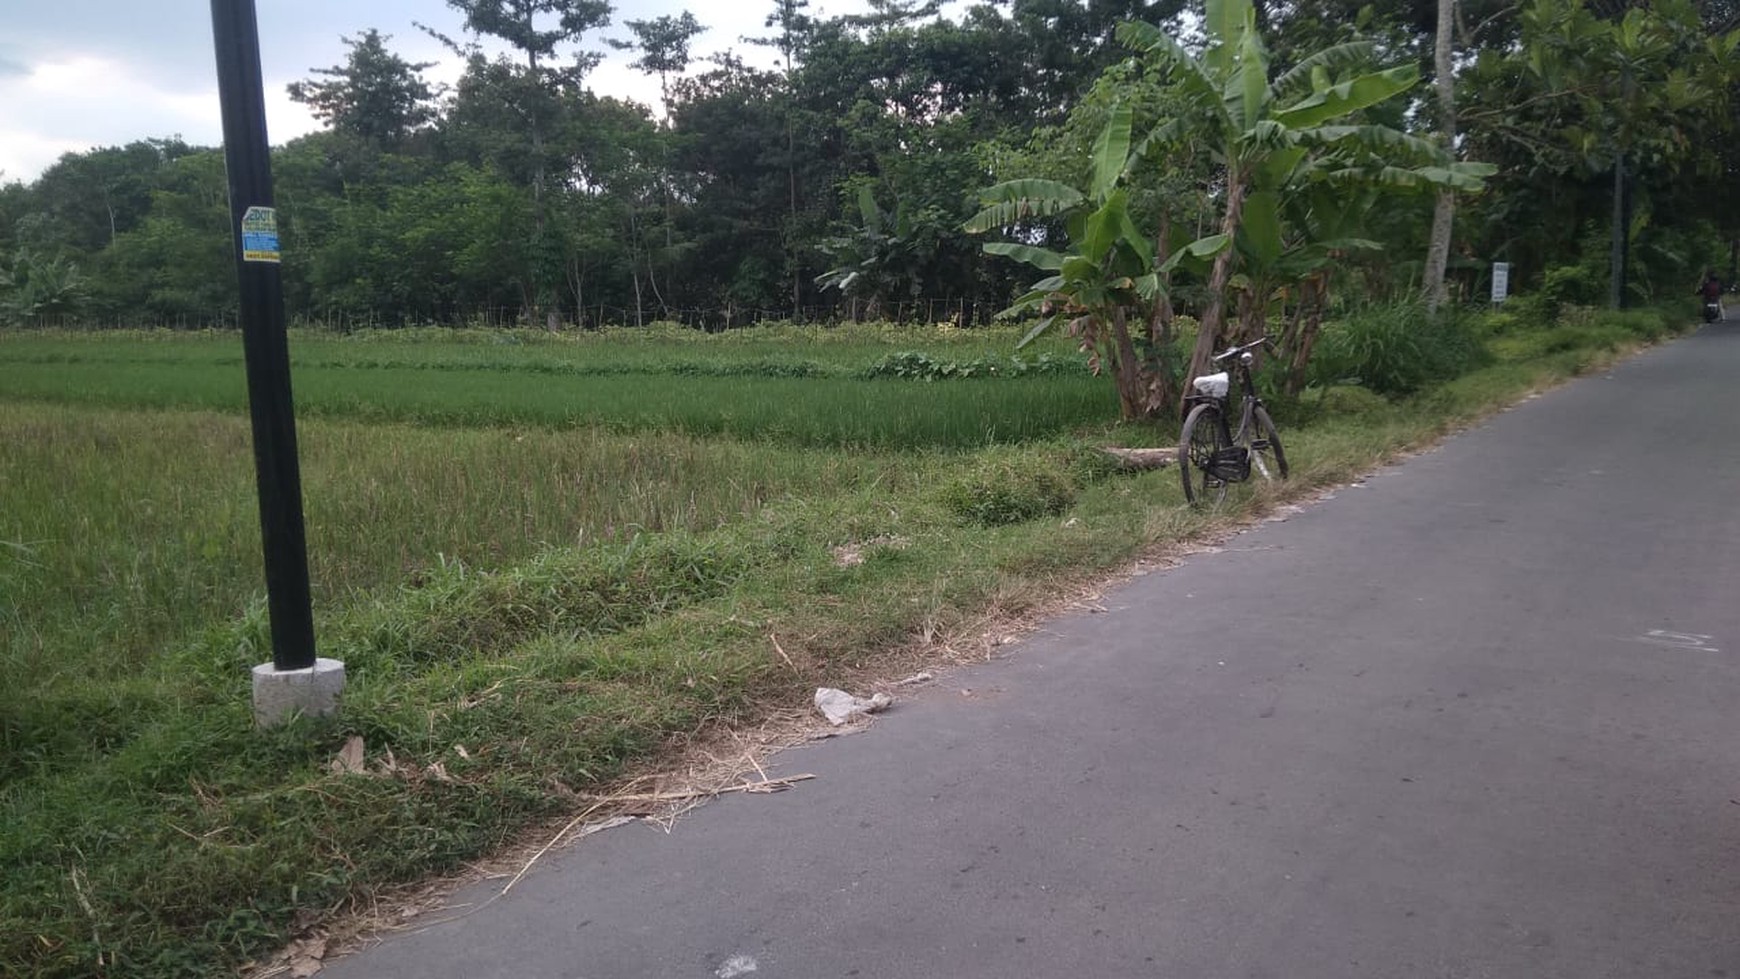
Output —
(77, 74)
(82, 101)
(23, 154)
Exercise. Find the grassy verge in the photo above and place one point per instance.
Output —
(525, 612)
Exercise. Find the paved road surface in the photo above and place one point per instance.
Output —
(1479, 717)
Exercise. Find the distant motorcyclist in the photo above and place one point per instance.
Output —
(1711, 291)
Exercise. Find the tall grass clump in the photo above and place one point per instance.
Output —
(1007, 487)
(1518, 333)
(1395, 349)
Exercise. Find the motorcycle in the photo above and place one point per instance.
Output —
(1712, 310)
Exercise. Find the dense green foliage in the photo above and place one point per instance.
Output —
(1395, 349)
(836, 183)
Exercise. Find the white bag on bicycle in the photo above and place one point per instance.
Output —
(1213, 385)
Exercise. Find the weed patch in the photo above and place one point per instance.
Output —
(1007, 488)
(1395, 349)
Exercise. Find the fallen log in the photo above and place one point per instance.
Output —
(1138, 460)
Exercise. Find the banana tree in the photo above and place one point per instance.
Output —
(875, 258)
(35, 289)
(1107, 288)
(1300, 224)
(1259, 130)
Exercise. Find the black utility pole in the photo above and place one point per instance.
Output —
(254, 226)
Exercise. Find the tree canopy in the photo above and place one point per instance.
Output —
(831, 167)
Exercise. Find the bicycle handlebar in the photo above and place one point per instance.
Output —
(1235, 351)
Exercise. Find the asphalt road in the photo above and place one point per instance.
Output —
(1478, 717)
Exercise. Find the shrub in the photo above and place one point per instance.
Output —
(915, 365)
(1496, 322)
(1006, 488)
(1348, 401)
(1565, 285)
(1395, 349)
(1563, 338)
(1647, 324)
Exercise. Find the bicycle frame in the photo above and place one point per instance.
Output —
(1243, 360)
(1215, 451)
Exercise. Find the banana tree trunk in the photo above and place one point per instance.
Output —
(1313, 296)
(1214, 314)
(1253, 320)
(1163, 382)
(1128, 370)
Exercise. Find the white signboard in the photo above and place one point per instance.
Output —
(1500, 281)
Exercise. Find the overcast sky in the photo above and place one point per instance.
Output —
(76, 74)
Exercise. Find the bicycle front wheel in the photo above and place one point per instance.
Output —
(1201, 443)
(1267, 456)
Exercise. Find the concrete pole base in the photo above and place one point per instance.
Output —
(280, 696)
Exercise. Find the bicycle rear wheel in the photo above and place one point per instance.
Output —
(1200, 443)
(1267, 457)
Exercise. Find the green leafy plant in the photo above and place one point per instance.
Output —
(1106, 291)
(1009, 488)
(914, 365)
(1396, 349)
(34, 288)
(1297, 152)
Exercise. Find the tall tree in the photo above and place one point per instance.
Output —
(538, 30)
(87, 200)
(663, 43)
(1444, 214)
(730, 124)
(793, 31)
(1629, 97)
(375, 96)
(175, 265)
(1065, 44)
(664, 51)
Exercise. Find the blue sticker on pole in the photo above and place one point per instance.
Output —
(260, 235)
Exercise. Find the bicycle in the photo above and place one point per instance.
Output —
(1213, 455)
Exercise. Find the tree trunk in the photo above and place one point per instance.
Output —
(539, 245)
(1444, 216)
(1621, 231)
(652, 282)
(1313, 296)
(1163, 387)
(1160, 327)
(791, 190)
(1132, 391)
(1141, 460)
(1253, 321)
(1214, 314)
